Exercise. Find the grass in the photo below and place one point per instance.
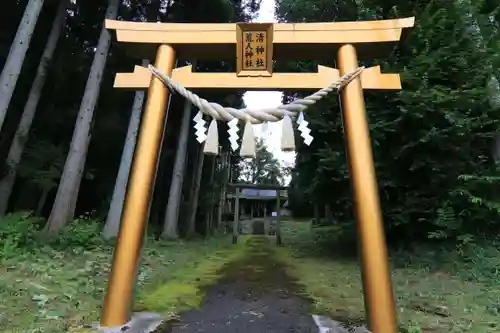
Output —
(433, 297)
(56, 291)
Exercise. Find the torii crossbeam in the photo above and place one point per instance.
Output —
(255, 46)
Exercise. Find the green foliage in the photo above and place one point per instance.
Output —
(20, 234)
(432, 141)
(43, 164)
(54, 290)
(81, 233)
(476, 261)
(264, 168)
(17, 231)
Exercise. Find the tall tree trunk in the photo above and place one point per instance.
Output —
(170, 222)
(222, 191)
(316, 214)
(328, 214)
(17, 53)
(195, 191)
(210, 206)
(115, 209)
(60, 213)
(41, 202)
(20, 138)
(187, 194)
(81, 170)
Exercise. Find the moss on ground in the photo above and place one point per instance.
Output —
(252, 260)
(260, 268)
(185, 288)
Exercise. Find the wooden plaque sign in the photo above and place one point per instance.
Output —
(254, 49)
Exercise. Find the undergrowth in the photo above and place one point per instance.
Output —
(438, 289)
(21, 234)
(56, 285)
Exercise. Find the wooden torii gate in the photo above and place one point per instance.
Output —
(316, 41)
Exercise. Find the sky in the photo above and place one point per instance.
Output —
(265, 99)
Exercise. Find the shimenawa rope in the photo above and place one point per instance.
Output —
(274, 114)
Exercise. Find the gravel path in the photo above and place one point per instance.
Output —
(255, 296)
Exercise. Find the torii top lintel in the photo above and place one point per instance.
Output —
(290, 40)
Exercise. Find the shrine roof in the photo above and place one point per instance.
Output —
(258, 194)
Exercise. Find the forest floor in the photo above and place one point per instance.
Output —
(59, 291)
(52, 291)
(435, 291)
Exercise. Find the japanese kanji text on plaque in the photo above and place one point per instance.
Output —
(254, 49)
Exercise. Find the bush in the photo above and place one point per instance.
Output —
(479, 261)
(17, 231)
(82, 232)
(332, 240)
(20, 233)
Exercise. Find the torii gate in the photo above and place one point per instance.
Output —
(269, 42)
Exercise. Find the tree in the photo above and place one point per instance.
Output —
(431, 141)
(20, 137)
(477, 25)
(43, 167)
(264, 168)
(17, 53)
(195, 193)
(170, 222)
(61, 101)
(115, 209)
(81, 173)
(61, 209)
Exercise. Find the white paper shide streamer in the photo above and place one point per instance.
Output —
(233, 133)
(303, 129)
(200, 127)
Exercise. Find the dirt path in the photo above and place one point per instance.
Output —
(255, 296)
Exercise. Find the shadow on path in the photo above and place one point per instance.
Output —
(255, 295)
